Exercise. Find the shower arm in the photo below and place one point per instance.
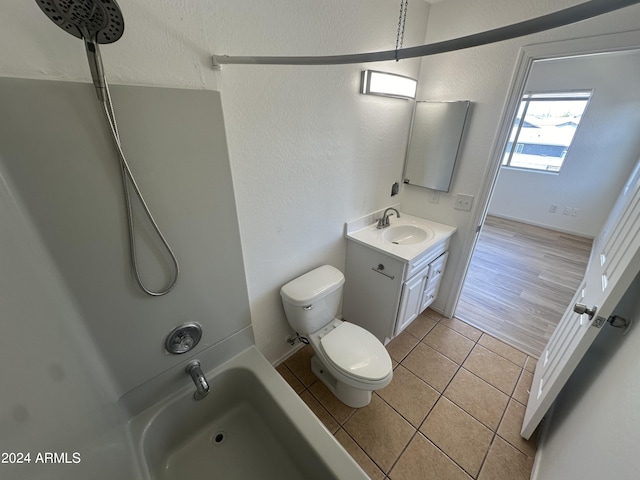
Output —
(95, 66)
(577, 13)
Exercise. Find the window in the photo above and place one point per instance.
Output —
(544, 129)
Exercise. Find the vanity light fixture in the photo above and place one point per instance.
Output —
(388, 84)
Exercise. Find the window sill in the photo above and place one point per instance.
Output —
(529, 170)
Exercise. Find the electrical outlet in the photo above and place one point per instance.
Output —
(553, 208)
(567, 211)
(464, 202)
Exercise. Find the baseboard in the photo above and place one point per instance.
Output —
(288, 354)
(544, 432)
(541, 225)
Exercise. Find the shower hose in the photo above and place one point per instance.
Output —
(126, 173)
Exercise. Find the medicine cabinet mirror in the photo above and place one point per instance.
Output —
(434, 143)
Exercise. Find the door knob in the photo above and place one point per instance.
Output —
(582, 309)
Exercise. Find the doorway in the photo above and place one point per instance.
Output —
(535, 241)
(520, 281)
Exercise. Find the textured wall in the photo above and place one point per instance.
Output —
(482, 75)
(604, 149)
(307, 151)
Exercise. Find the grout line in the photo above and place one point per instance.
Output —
(363, 450)
(440, 396)
(417, 343)
(499, 354)
(416, 430)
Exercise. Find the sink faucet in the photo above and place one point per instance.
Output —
(202, 386)
(384, 221)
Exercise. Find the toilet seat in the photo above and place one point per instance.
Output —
(355, 353)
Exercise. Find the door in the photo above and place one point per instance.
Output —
(411, 300)
(614, 263)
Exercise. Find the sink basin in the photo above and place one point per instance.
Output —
(251, 425)
(406, 234)
(406, 238)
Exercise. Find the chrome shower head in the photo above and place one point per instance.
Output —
(100, 21)
(95, 22)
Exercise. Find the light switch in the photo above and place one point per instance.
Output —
(464, 202)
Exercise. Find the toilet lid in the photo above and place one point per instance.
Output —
(356, 352)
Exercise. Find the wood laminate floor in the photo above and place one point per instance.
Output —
(521, 280)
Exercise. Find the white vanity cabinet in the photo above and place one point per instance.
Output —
(419, 291)
(383, 293)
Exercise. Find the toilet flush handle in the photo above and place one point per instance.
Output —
(308, 307)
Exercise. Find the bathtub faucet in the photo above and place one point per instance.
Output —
(202, 386)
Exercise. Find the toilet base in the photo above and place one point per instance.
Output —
(350, 396)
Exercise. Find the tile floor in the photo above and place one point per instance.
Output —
(452, 411)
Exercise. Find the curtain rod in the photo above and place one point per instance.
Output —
(577, 13)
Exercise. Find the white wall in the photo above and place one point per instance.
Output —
(601, 156)
(482, 75)
(593, 432)
(307, 151)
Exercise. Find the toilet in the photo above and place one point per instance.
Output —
(348, 359)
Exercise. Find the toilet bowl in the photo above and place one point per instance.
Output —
(348, 359)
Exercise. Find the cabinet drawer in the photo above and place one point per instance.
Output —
(437, 268)
(421, 261)
(432, 285)
(429, 296)
(417, 264)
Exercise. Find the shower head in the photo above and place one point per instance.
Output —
(94, 21)
(100, 21)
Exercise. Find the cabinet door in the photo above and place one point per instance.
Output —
(432, 285)
(411, 301)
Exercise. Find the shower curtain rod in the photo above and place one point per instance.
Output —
(577, 13)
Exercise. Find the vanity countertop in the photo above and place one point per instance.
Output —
(382, 239)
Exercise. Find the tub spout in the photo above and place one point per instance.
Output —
(202, 386)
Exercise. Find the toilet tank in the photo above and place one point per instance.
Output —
(312, 300)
